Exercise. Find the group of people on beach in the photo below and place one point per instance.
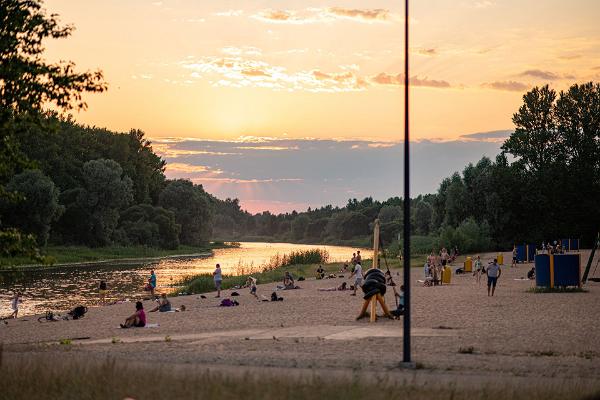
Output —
(435, 264)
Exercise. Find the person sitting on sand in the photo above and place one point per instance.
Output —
(320, 272)
(137, 319)
(164, 304)
(400, 310)
(288, 281)
(251, 283)
(342, 287)
(344, 268)
(427, 269)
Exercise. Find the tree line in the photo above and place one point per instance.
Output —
(65, 183)
(544, 185)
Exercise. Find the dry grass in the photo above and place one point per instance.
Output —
(31, 378)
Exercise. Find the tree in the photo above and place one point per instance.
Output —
(144, 224)
(27, 84)
(27, 81)
(299, 225)
(106, 191)
(38, 206)
(192, 209)
(535, 141)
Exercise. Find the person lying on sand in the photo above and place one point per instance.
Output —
(343, 286)
(137, 319)
(164, 304)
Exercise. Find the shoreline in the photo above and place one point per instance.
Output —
(115, 261)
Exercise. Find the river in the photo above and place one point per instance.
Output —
(62, 288)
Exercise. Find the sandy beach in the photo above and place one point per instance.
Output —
(457, 331)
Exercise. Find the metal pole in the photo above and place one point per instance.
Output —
(406, 335)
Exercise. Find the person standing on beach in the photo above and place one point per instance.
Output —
(152, 283)
(218, 277)
(358, 257)
(353, 260)
(14, 304)
(358, 277)
(493, 273)
(478, 269)
(514, 257)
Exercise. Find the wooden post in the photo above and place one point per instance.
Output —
(373, 309)
(384, 307)
(376, 244)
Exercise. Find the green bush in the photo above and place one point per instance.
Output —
(468, 236)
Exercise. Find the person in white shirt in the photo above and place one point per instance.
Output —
(14, 304)
(358, 277)
(218, 278)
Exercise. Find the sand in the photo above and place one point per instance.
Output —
(513, 334)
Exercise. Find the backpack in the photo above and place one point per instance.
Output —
(228, 303)
(78, 312)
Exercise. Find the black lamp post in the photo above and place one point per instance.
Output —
(406, 335)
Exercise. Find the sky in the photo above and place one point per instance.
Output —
(312, 75)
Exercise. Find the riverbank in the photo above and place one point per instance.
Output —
(465, 345)
(73, 256)
(204, 283)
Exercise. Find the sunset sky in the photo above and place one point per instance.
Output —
(259, 72)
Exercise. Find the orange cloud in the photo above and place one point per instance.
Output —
(377, 14)
(398, 80)
(511, 86)
(315, 15)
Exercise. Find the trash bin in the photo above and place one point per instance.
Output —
(500, 258)
(446, 275)
(468, 265)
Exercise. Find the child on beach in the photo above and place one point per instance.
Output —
(320, 272)
(14, 304)
(137, 319)
(400, 310)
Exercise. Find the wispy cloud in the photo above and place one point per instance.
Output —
(229, 13)
(311, 174)
(239, 72)
(317, 15)
(546, 75)
(398, 80)
(430, 52)
(511, 86)
(492, 136)
(364, 15)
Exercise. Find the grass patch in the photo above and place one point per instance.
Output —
(543, 353)
(569, 289)
(75, 254)
(466, 350)
(64, 378)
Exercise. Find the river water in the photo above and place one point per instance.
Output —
(62, 288)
